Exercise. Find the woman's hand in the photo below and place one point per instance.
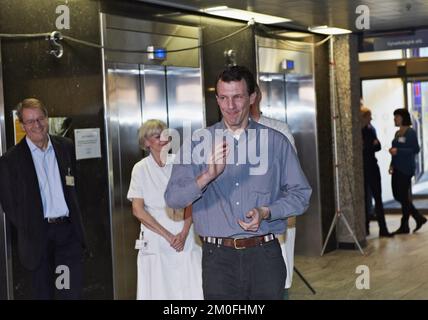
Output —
(393, 151)
(179, 240)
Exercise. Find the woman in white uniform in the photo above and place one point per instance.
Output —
(169, 258)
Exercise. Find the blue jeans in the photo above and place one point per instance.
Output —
(256, 273)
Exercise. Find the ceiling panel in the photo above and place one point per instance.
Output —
(384, 14)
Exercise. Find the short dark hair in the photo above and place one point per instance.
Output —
(405, 115)
(30, 103)
(237, 73)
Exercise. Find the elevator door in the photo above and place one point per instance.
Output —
(273, 103)
(172, 94)
(290, 97)
(6, 291)
(135, 94)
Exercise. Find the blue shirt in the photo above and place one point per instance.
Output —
(50, 185)
(218, 207)
(407, 148)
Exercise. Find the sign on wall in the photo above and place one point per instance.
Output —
(87, 143)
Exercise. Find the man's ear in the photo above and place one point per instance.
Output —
(253, 97)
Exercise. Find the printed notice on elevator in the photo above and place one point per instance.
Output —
(88, 143)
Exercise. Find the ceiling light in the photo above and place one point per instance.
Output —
(294, 34)
(328, 30)
(224, 11)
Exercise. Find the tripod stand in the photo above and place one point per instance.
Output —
(339, 213)
(304, 280)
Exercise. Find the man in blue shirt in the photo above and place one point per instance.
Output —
(239, 203)
(38, 195)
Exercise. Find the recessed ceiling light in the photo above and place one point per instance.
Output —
(294, 34)
(225, 11)
(328, 30)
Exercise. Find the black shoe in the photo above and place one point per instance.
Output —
(419, 224)
(385, 234)
(402, 230)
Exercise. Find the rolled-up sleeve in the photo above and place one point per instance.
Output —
(295, 189)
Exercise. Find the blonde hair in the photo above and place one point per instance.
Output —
(150, 128)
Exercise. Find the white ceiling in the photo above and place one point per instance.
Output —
(384, 14)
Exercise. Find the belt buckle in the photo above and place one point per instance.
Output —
(235, 245)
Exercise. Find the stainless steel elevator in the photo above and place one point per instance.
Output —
(139, 87)
(286, 80)
(6, 290)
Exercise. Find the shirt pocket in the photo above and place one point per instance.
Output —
(262, 183)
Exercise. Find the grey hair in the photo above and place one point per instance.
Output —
(30, 103)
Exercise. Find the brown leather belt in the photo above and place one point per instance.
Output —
(242, 243)
(58, 220)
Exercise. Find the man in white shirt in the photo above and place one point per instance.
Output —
(39, 197)
(288, 238)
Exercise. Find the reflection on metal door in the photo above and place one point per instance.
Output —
(273, 103)
(123, 120)
(6, 289)
(185, 100)
(289, 95)
(135, 94)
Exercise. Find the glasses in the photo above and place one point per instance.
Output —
(32, 122)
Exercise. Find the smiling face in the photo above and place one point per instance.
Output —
(155, 143)
(35, 125)
(234, 102)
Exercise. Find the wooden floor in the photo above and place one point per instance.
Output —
(398, 268)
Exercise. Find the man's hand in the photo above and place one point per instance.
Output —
(256, 215)
(216, 165)
(217, 161)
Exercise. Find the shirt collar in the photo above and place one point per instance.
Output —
(33, 147)
(251, 125)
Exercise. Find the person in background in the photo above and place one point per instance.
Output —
(286, 240)
(372, 179)
(404, 148)
(169, 259)
(38, 194)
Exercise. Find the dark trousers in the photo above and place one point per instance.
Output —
(256, 273)
(60, 272)
(401, 190)
(372, 185)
